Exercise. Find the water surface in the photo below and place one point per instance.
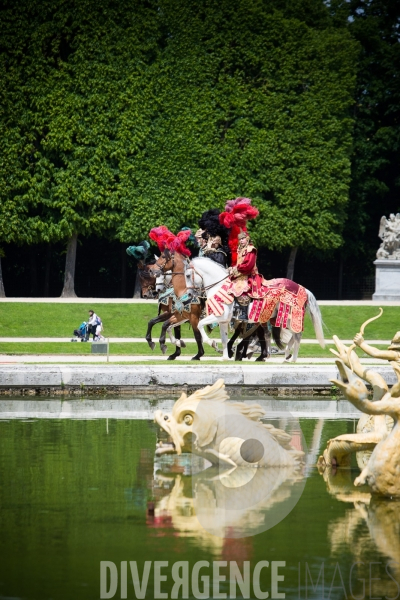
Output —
(79, 484)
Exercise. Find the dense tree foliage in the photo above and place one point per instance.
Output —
(254, 102)
(119, 116)
(375, 182)
(67, 67)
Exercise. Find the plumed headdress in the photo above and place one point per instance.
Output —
(164, 238)
(140, 252)
(211, 224)
(237, 213)
(192, 238)
(160, 236)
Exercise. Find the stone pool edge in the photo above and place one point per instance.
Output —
(96, 380)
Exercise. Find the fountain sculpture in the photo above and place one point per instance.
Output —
(377, 440)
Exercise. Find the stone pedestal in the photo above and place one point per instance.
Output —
(387, 279)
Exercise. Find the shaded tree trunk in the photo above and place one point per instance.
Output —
(47, 265)
(123, 270)
(340, 282)
(138, 288)
(33, 271)
(69, 276)
(291, 262)
(2, 292)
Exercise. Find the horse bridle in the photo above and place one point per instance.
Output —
(161, 268)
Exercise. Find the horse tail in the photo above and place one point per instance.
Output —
(316, 318)
(276, 334)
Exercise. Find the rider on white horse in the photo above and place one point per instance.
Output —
(244, 275)
(285, 303)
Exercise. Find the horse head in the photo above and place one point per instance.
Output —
(162, 264)
(147, 281)
(193, 280)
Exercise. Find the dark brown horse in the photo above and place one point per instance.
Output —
(176, 263)
(148, 284)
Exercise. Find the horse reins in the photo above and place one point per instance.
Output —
(205, 288)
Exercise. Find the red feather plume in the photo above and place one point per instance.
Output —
(159, 235)
(164, 238)
(237, 213)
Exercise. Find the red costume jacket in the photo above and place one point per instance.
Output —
(248, 282)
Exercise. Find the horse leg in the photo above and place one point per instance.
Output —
(288, 349)
(233, 339)
(224, 339)
(264, 335)
(296, 346)
(241, 349)
(267, 337)
(249, 355)
(163, 346)
(159, 319)
(177, 341)
(194, 321)
(263, 344)
(205, 339)
(226, 318)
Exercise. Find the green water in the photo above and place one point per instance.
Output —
(77, 492)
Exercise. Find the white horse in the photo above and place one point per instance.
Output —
(213, 276)
(163, 282)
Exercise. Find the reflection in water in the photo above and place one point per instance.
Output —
(382, 518)
(237, 503)
(74, 492)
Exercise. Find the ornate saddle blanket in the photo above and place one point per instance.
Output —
(288, 297)
(181, 304)
(165, 296)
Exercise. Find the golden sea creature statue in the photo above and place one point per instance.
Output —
(225, 433)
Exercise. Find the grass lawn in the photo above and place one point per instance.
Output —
(134, 349)
(78, 348)
(130, 320)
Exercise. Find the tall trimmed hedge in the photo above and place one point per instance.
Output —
(119, 116)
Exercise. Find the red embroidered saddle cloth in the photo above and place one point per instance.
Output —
(288, 296)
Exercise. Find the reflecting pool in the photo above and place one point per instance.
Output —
(80, 484)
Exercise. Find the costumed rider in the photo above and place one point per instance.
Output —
(142, 253)
(244, 280)
(165, 239)
(212, 238)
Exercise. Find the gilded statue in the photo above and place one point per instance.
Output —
(227, 433)
(378, 433)
(371, 429)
